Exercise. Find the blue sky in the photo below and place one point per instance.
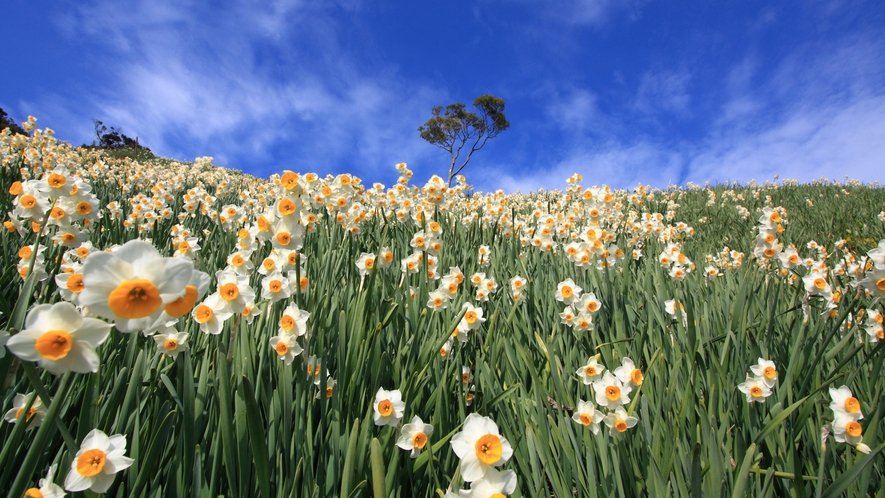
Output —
(621, 91)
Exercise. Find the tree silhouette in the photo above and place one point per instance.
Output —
(7, 122)
(451, 129)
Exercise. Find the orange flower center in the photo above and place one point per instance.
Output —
(820, 283)
(880, 284)
(170, 345)
(134, 299)
(286, 207)
(54, 344)
(203, 313)
(419, 440)
(229, 292)
(57, 213)
(621, 425)
(636, 376)
(590, 371)
(566, 291)
(853, 429)
(852, 404)
(84, 208)
(31, 413)
(33, 493)
(284, 238)
(613, 393)
(56, 181)
(91, 462)
(370, 263)
(769, 372)
(287, 322)
(75, 283)
(275, 286)
(237, 260)
(756, 391)
(28, 201)
(489, 449)
(183, 304)
(586, 419)
(385, 407)
(282, 348)
(470, 317)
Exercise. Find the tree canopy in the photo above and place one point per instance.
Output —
(7, 122)
(452, 128)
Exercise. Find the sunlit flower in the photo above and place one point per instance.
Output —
(480, 447)
(99, 459)
(365, 263)
(234, 290)
(591, 372)
(766, 370)
(133, 284)
(611, 392)
(171, 342)
(567, 291)
(587, 415)
(618, 421)
(844, 404)
(294, 321)
(494, 484)
(414, 436)
(755, 388)
(628, 373)
(389, 407)
(211, 314)
(286, 347)
(847, 429)
(59, 339)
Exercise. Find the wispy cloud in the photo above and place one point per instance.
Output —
(663, 91)
(821, 112)
(258, 83)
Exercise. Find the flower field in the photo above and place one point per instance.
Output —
(181, 329)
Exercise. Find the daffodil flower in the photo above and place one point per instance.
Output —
(99, 459)
(59, 339)
(480, 447)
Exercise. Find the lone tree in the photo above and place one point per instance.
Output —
(453, 129)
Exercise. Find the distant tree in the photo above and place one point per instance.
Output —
(7, 122)
(113, 138)
(453, 128)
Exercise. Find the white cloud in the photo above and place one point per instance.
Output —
(262, 81)
(665, 91)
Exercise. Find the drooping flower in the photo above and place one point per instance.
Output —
(480, 447)
(59, 339)
(99, 459)
(34, 417)
(47, 489)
